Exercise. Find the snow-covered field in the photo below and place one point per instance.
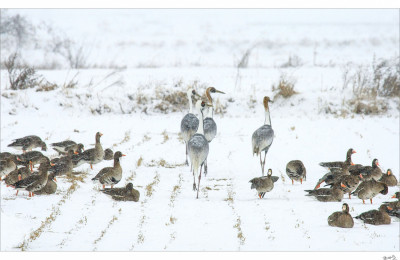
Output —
(157, 51)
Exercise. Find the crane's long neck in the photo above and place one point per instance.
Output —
(267, 120)
(190, 104)
(210, 112)
(200, 130)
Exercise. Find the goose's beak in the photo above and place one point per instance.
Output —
(389, 208)
(361, 176)
(101, 134)
(394, 196)
(123, 155)
(76, 152)
(344, 186)
(354, 151)
(52, 164)
(55, 179)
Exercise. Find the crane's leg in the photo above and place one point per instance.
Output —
(198, 184)
(205, 167)
(186, 162)
(194, 182)
(263, 165)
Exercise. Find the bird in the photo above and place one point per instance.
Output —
(263, 137)
(189, 123)
(50, 187)
(128, 193)
(110, 175)
(63, 165)
(328, 194)
(93, 155)
(369, 189)
(389, 178)
(264, 184)
(296, 171)
(64, 146)
(28, 143)
(351, 181)
(108, 154)
(30, 158)
(35, 182)
(338, 164)
(210, 127)
(17, 175)
(198, 148)
(376, 217)
(369, 172)
(342, 218)
(395, 205)
(7, 166)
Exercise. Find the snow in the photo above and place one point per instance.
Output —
(228, 216)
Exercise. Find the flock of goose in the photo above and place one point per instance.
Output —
(343, 177)
(19, 174)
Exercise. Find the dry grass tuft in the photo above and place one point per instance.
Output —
(150, 187)
(139, 162)
(165, 135)
(285, 87)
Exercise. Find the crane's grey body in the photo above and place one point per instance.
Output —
(210, 129)
(198, 149)
(189, 123)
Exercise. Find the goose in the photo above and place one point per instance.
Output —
(108, 154)
(264, 184)
(296, 171)
(388, 178)
(28, 143)
(189, 123)
(376, 217)
(395, 205)
(198, 148)
(50, 187)
(328, 194)
(94, 155)
(127, 193)
(110, 175)
(344, 164)
(30, 158)
(369, 172)
(17, 175)
(7, 166)
(64, 146)
(63, 165)
(369, 189)
(351, 181)
(35, 182)
(262, 138)
(342, 218)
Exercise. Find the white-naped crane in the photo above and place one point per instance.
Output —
(262, 138)
(198, 148)
(189, 123)
(210, 127)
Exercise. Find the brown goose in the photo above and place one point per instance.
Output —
(110, 175)
(64, 146)
(332, 176)
(94, 155)
(30, 158)
(351, 181)
(7, 166)
(50, 187)
(5, 155)
(63, 165)
(395, 205)
(28, 143)
(388, 178)
(296, 171)
(328, 194)
(342, 218)
(123, 194)
(376, 217)
(108, 154)
(369, 172)
(264, 184)
(35, 182)
(369, 189)
(344, 164)
(17, 175)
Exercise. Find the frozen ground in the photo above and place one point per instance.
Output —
(228, 216)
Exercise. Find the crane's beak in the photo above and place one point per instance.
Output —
(218, 91)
